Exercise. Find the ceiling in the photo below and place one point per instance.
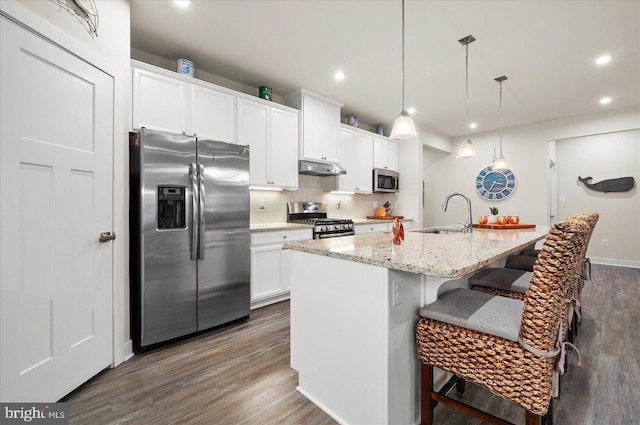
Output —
(545, 48)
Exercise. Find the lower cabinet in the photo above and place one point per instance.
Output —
(268, 273)
(385, 226)
(361, 229)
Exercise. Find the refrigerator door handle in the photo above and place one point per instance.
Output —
(201, 212)
(195, 196)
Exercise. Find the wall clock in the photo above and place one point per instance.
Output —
(495, 185)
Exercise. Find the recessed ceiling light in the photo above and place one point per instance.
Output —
(411, 111)
(604, 59)
(182, 3)
(473, 125)
(339, 76)
(605, 100)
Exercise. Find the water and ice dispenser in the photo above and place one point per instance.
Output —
(171, 207)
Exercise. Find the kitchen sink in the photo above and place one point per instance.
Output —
(439, 230)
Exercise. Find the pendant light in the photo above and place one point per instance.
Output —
(499, 163)
(403, 127)
(467, 150)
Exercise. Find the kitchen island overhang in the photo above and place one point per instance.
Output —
(354, 306)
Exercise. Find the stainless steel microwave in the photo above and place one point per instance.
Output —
(385, 180)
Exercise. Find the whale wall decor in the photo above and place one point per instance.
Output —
(621, 184)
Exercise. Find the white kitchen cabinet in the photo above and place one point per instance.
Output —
(165, 100)
(269, 279)
(213, 114)
(362, 163)
(253, 130)
(159, 102)
(356, 156)
(272, 135)
(283, 148)
(319, 126)
(362, 229)
(385, 153)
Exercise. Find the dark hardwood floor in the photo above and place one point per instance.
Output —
(241, 374)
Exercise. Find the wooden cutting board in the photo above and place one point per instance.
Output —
(504, 226)
(388, 217)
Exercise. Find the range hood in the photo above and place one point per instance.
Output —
(315, 168)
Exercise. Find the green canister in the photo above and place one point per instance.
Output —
(265, 93)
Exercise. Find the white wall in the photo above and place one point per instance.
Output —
(113, 44)
(431, 159)
(603, 156)
(525, 148)
(409, 199)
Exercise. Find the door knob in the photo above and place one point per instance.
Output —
(106, 237)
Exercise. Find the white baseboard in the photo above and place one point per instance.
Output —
(128, 350)
(271, 300)
(613, 262)
(321, 406)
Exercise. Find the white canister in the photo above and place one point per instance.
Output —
(185, 67)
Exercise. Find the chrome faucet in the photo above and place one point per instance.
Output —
(468, 228)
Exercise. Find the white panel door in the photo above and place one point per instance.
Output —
(253, 130)
(321, 132)
(346, 182)
(213, 114)
(159, 102)
(56, 184)
(283, 149)
(266, 271)
(385, 154)
(363, 163)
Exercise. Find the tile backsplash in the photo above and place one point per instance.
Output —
(271, 206)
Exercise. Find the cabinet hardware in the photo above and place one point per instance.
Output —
(106, 237)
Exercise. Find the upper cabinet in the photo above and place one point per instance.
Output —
(356, 156)
(385, 153)
(319, 126)
(169, 103)
(159, 102)
(212, 114)
(272, 135)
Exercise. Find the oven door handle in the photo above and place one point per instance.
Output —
(335, 235)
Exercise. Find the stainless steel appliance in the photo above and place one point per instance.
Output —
(190, 239)
(385, 180)
(315, 213)
(317, 168)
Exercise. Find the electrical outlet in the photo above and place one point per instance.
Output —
(562, 199)
(261, 204)
(375, 204)
(604, 242)
(396, 294)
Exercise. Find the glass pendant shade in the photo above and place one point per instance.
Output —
(467, 150)
(499, 163)
(403, 127)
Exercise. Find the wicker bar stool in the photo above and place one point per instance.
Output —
(513, 280)
(511, 347)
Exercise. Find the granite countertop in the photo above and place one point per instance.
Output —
(272, 227)
(443, 255)
(377, 220)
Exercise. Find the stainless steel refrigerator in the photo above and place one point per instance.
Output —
(189, 221)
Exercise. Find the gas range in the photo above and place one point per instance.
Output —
(315, 213)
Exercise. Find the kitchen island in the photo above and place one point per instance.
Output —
(354, 306)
